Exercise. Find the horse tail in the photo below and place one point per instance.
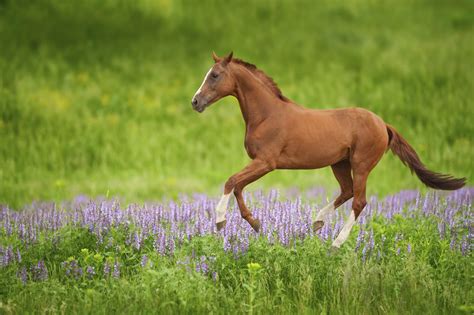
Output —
(409, 157)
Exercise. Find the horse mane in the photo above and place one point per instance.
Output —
(268, 81)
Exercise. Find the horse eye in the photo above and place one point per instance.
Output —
(214, 75)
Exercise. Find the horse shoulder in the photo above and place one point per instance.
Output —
(266, 138)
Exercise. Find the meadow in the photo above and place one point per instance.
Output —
(95, 95)
(108, 178)
(409, 253)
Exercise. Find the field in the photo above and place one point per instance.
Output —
(409, 253)
(95, 116)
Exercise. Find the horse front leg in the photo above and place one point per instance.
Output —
(236, 183)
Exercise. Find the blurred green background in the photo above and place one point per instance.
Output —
(95, 94)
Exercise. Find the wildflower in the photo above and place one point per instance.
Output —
(90, 271)
(441, 229)
(98, 257)
(106, 268)
(204, 268)
(465, 246)
(364, 253)
(137, 241)
(116, 272)
(409, 248)
(40, 272)
(452, 244)
(144, 261)
(360, 238)
(254, 266)
(23, 275)
(18, 256)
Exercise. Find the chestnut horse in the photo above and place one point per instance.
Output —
(281, 134)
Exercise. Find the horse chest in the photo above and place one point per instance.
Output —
(252, 147)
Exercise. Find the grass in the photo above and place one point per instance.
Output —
(407, 254)
(95, 97)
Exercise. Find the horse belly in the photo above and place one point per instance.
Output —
(312, 155)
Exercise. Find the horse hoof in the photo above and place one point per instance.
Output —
(220, 225)
(318, 225)
(256, 225)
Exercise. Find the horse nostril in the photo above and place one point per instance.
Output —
(194, 102)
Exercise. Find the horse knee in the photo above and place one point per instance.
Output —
(229, 185)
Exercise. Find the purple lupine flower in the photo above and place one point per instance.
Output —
(116, 272)
(283, 222)
(18, 256)
(360, 238)
(106, 268)
(372, 241)
(8, 257)
(441, 229)
(144, 261)
(90, 271)
(465, 246)
(72, 268)
(137, 241)
(23, 275)
(452, 244)
(203, 267)
(364, 253)
(398, 251)
(409, 248)
(40, 272)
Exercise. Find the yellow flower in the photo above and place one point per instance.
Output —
(254, 266)
(98, 257)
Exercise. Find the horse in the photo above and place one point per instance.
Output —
(280, 134)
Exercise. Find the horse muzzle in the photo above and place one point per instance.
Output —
(198, 105)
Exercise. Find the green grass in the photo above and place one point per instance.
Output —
(95, 95)
(305, 278)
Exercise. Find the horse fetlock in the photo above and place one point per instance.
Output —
(317, 225)
(221, 225)
(254, 223)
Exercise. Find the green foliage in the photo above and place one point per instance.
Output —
(95, 95)
(305, 278)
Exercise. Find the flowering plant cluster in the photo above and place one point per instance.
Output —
(160, 229)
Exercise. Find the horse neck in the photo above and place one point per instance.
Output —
(256, 100)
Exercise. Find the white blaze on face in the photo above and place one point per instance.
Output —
(202, 84)
(346, 230)
(222, 207)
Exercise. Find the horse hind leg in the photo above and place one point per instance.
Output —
(221, 210)
(363, 161)
(359, 203)
(342, 172)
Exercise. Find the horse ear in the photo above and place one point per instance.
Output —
(228, 58)
(214, 56)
